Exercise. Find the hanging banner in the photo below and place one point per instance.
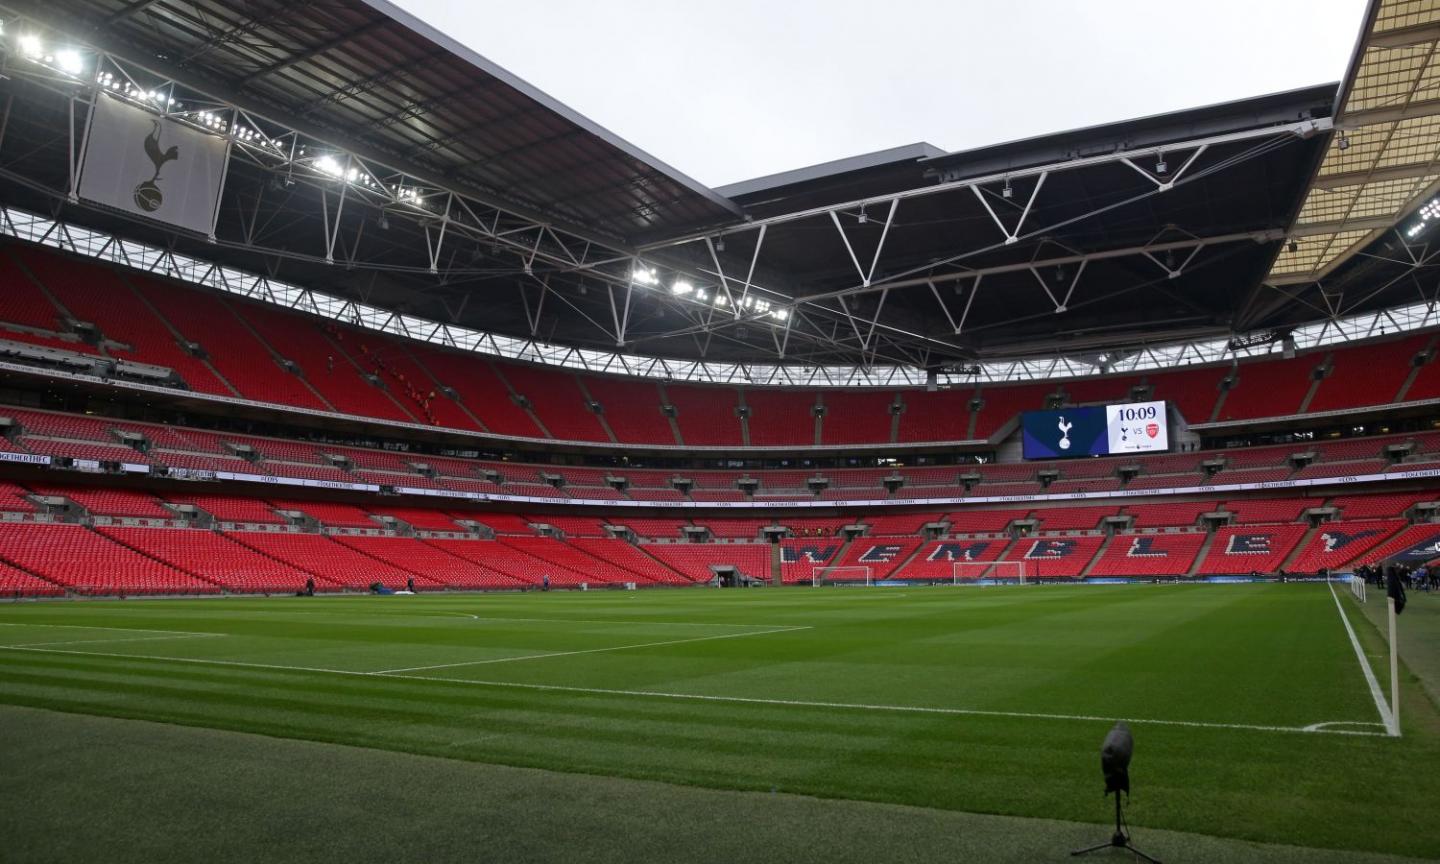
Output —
(149, 166)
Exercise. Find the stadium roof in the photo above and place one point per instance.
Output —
(477, 202)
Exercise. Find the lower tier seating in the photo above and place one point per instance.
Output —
(87, 562)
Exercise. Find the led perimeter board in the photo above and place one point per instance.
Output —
(1133, 427)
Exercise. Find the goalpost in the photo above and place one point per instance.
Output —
(852, 575)
(971, 572)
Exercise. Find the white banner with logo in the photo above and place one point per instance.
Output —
(146, 165)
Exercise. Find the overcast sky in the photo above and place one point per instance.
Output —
(730, 90)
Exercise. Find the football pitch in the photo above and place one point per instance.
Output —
(1251, 713)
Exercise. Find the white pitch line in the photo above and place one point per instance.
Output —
(93, 627)
(584, 651)
(112, 641)
(1386, 717)
(1313, 729)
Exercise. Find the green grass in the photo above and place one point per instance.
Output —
(801, 691)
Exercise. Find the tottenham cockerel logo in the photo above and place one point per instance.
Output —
(148, 196)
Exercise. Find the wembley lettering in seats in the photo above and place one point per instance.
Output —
(959, 551)
(1418, 553)
(881, 554)
(1144, 547)
(1249, 544)
(1335, 540)
(813, 554)
(1050, 549)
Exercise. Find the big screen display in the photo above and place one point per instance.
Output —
(1134, 427)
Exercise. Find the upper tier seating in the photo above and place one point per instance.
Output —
(483, 392)
(237, 353)
(943, 415)
(21, 300)
(407, 381)
(632, 409)
(89, 563)
(324, 365)
(1100, 391)
(414, 374)
(99, 296)
(557, 400)
(1370, 374)
(856, 417)
(1192, 391)
(1269, 388)
(706, 415)
(1003, 404)
(781, 417)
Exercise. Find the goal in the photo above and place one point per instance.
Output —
(841, 576)
(973, 572)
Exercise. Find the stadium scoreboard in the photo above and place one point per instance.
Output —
(1131, 427)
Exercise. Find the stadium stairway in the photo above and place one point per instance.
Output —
(1299, 547)
(1202, 554)
(776, 577)
(1099, 554)
(640, 547)
(900, 568)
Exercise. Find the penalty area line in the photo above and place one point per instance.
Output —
(584, 651)
(1313, 729)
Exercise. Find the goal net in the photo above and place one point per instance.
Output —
(974, 572)
(841, 576)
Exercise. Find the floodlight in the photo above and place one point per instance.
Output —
(680, 288)
(1115, 754)
(1161, 166)
(70, 61)
(720, 243)
(1293, 245)
(1007, 192)
(31, 46)
(1343, 142)
(862, 218)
